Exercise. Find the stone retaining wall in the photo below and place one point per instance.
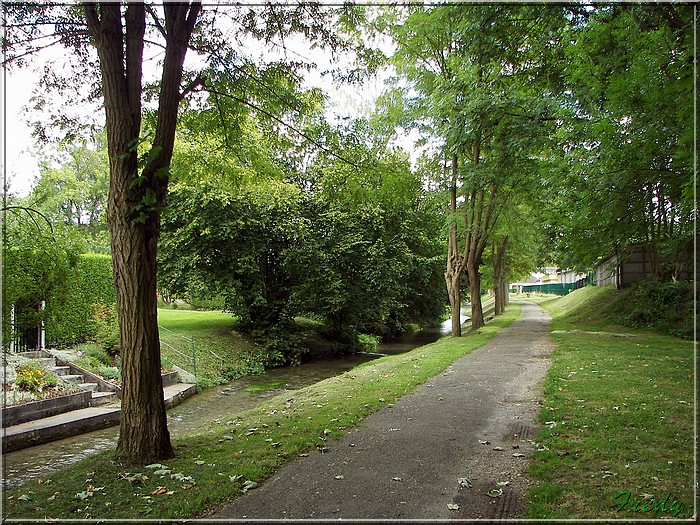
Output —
(15, 415)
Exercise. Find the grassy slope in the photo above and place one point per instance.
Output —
(225, 458)
(222, 354)
(618, 418)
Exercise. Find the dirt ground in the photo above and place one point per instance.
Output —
(456, 448)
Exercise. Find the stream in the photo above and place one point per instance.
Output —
(219, 402)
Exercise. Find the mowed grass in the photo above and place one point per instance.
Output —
(231, 456)
(196, 322)
(618, 419)
(221, 354)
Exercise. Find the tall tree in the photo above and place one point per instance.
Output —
(482, 83)
(136, 194)
(625, 166)
(139, 165)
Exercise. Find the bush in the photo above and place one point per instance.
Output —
(281, 345)
(368, 343)
(34, 378)
(106, 327)
(665, 307)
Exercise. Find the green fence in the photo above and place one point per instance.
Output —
(553, 288)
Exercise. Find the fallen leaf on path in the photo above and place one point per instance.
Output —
(464, 482)
(453, 506)
(248, 485)
(494, 493)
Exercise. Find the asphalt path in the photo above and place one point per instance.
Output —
(456, 448)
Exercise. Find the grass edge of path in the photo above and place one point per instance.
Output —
(617, 436)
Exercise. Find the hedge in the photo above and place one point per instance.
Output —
(89, 282)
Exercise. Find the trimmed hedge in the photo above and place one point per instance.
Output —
(88, 283)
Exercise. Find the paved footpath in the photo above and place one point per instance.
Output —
(473, 421)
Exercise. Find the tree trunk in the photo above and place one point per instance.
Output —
(500, 288)
(475, 293)
(133, 212)
(453, 292)
(455, 266)
(144, 436)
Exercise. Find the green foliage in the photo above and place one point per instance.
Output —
(237, 245)
(106, 327)
(34, 378)
(282, 344)
(88, 283)
(664, 307)
(361, 262)
(368, 343)
(620, 173)
(37, 259)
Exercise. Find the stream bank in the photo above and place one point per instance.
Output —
(201, 410)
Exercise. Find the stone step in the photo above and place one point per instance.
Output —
(103, 398)
(61, 370)
(48, 362)
(72, 378)
(92, 387)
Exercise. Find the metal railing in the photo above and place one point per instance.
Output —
(179, 349)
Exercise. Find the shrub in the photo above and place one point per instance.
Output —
(34, 378)
(368, 343)
(665, 307)
(107, 327)
(89, 282)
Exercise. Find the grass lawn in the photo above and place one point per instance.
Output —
(618, 416)
(221, 353)
(232, 456)
(196, 322)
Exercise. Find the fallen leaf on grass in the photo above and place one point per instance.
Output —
(160, 490)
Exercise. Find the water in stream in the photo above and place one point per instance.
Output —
(215, 403)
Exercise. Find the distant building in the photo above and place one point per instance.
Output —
(623, 269)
